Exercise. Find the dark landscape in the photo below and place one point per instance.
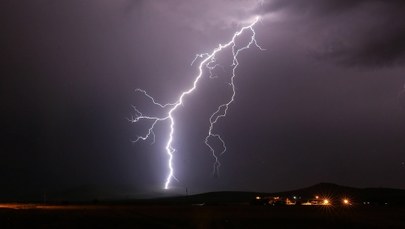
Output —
(369, 208)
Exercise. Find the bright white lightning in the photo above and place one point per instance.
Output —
(208, 61)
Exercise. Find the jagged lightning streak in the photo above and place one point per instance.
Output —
(208, 61)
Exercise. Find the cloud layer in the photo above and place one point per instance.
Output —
(360, 33)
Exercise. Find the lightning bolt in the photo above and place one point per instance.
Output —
(209, 62)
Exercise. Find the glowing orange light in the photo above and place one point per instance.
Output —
(326, 202)
(258, 197)
(346, 201)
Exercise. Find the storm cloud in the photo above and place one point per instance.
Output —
(354, 33)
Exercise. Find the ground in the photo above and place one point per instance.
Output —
(186, 216)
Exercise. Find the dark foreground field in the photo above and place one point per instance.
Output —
(173, 216)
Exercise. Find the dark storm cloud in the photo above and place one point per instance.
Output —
(309, 6)
(354, 33)
(131, 5)
(200, 15)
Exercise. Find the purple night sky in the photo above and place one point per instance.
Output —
(325, 102)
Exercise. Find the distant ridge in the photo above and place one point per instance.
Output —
(329, 190)
(128, 195)
(358, 194)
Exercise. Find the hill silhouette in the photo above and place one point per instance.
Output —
(334, 191)
(125, 195)
(378, 196)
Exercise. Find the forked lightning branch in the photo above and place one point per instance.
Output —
(207, 63)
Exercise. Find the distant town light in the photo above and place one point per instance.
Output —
(316, 197)
(346, 201)
(258, 197)
(326, 202)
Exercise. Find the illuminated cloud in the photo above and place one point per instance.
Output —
(352, 33)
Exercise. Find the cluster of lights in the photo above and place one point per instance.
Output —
(294, 201)
(345, 201)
